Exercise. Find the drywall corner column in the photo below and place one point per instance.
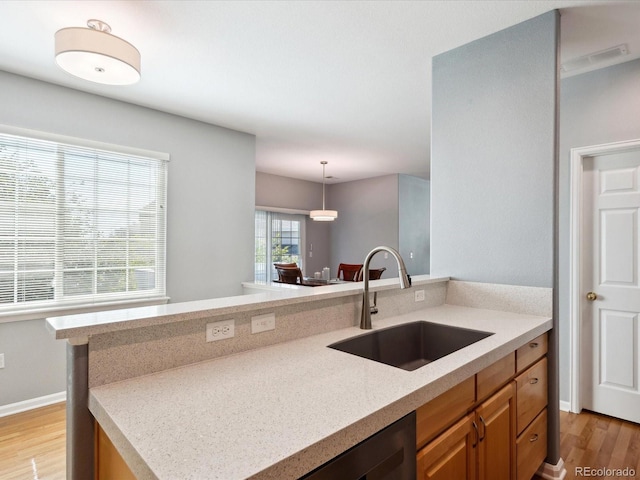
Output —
(493, 166)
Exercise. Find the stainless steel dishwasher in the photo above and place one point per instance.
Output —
(389, 454)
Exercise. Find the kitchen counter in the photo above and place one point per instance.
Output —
(283, 410)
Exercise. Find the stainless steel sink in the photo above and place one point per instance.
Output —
(411, 345)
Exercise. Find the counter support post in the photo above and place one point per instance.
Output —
(80, 423)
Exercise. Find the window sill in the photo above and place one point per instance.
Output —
(42, 313)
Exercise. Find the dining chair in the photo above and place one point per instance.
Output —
(374, 273)
(349, 271)
(289, 275)
(286, 265)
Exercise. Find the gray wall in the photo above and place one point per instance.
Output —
(367, 218)
(414, 216)
(494, 169)
(492, 157)
(392, 210)
(284, 192)
(595, 108)
(210, 185)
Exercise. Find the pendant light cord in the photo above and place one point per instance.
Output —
(324, 164)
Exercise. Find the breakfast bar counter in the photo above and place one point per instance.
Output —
(283, 410)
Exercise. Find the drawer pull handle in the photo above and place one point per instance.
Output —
(533, 344)
(533, 381)
(534, 438)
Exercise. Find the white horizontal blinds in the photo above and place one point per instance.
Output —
(78, 225)
(279, 239)
(285, 236)
(261, 271)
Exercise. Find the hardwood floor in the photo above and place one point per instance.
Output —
(32, 444)
(594, 441)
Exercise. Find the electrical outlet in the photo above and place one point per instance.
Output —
(419, 295)
(220, 330)
(263, 323)
(1, 360)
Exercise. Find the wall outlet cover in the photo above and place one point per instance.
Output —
(220, 330)
(419, 295)
(263, 323)
(1, 360)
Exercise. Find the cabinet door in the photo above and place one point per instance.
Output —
(496, 419)
(451, 456)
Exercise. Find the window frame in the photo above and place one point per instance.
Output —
(69, 305)
(270, 273)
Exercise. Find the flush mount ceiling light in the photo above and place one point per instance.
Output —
(94, 54)
(323, 215)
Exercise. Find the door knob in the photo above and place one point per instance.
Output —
(591, 296)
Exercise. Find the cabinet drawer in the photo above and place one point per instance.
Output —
(531, 393)
(532, 351)
(531, 447)
(434, 416)
(495, 376)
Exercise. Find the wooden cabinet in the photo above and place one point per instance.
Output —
(532, 393)
(451, 456)
(496, 420)
(479, 446)
(531, 351)
(495, 376)
(435, 416)
(531, 447)
(109, 465)
(492, 426)
(532, 419)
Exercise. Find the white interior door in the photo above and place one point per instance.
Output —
(610, 284)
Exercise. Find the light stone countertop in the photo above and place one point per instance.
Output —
(87, 324)
(281, 411)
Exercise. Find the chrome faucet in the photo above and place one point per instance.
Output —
(405, 282)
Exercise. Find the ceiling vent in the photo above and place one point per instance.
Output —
(591, 60)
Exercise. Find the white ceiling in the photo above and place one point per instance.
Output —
(344, 81)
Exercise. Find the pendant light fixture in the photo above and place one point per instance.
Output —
(94, 54)
(323, 215)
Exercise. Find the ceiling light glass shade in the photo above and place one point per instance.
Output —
(323, 215)
(97, 56)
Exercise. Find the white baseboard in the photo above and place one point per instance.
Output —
(552, 472)
(565, 406)
(32, 403)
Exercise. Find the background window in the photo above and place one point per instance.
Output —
(279, 239)
(78, 225)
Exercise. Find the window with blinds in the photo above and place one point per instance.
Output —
(78, 225)
(279, 239)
